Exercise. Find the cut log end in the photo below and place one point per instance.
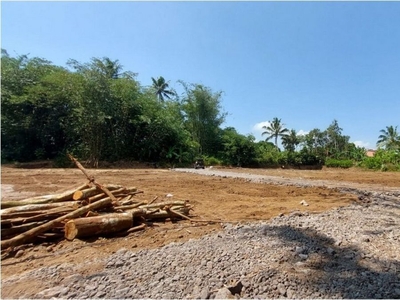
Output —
(77, 195)
(70, 230)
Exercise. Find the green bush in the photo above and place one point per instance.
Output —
(302, 158)
(383, 160)
(62, 161)
(338, 163)
(212, 161)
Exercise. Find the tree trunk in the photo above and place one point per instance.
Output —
(164, 214)
(82, 194)
(13, 231)
(166, 203)
(39, 216)
(92, 180)
(39, 208)
(65, 196)
(30, 234)
(99, 225)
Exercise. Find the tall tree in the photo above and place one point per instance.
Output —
(290, 141)
(274, 130)
(389, 138)
(336, 143)
(161, 90)
(33, 114)
(203, 117)
(106, 103)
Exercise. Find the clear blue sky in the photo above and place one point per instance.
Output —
(307, 63)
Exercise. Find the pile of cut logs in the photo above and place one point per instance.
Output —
(89, 210)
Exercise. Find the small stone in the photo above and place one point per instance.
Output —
(224, 293)
(397, 292)
(303, 202)
(50, 293)
(19, 253)
(282, 289)
(290, 293)
(205, 293)
(303, 256)
(300, 250)
(331, 251)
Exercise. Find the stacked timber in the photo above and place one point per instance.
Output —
(88, 210)
(85, 212)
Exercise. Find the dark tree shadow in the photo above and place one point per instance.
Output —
(338, 271)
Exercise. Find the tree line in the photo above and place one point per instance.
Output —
(99, 112)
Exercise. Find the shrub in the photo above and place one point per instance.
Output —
(212, 161)
(383, 160)
(338, 163)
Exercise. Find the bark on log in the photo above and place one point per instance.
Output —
(92, 180)
(103, 195)
(163, 214)
(30, 234)
(13, 231)
(47, 216)
(166, 203)
(86, 193)
(40, 208)
(136, 228)
(94, 226)
(127, 207)
(65, 196)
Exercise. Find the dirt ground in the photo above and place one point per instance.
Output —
(214, 198)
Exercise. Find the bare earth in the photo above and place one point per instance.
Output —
(214, 198)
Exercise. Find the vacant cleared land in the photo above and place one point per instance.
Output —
(213, 197)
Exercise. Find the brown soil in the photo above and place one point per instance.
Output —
(213, 198)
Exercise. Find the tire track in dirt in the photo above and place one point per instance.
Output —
(286, 181)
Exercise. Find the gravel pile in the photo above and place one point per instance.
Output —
(350, 252)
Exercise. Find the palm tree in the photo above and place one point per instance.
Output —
(111, 69)
(389, 138)
(290, 141)
(275, 129)
(160, 87)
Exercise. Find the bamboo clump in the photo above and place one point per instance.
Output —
(91, 209)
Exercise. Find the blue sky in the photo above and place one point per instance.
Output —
(306, 63)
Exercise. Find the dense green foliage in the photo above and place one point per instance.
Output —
(383, 160)
(339, 163)
(99, 112)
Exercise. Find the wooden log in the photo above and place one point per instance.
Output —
(30, 234)
(39, 208)
(47, 216)
(166, 203)
(164, 214)
(92, 180)
(6, 219)
(86, 193)
(99, 225)
(13, 231)
(103, 195)
(127, 207)
(136, 228)
(65, 196)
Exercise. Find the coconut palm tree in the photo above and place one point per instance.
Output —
(161, 88)
(111, 69)
(290, 141)
(275, 129)
(389, 138)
